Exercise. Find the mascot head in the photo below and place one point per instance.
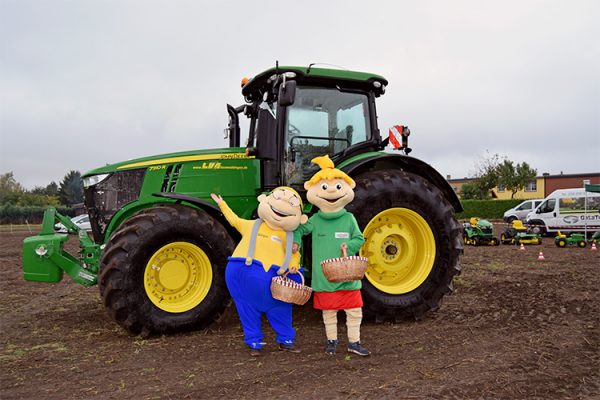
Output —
(330, 189)
(281, 209)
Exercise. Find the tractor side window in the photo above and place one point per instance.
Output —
(352, 123)
(322, 121)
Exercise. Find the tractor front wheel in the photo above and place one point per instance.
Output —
(163, 271)
(412, 240)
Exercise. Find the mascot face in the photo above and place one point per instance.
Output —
(330, 195)
(281, 209)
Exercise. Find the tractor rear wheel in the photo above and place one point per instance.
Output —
(163, 271)
(412, 240)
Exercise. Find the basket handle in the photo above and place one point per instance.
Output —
(301, 276)
(344, 250)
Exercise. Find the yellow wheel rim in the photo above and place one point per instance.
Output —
(401, 250)
(178, 277)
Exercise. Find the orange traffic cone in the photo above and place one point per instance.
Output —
(541, 256)
(594, 246)
(522, 247)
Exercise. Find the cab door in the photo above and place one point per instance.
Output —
(322, 121)
(548, 214)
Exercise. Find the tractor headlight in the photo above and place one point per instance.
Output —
(94, 179)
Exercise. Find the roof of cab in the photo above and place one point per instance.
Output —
(315, 75)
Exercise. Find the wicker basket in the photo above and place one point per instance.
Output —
(289, 291)
(345, 269)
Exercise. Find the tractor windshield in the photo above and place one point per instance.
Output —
(322, 121)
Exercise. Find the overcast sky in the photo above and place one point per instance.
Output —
(85, 83)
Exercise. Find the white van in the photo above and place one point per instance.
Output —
(521, 210)
(567, 210)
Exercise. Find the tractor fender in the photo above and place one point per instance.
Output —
(383, 161)
(166, 198)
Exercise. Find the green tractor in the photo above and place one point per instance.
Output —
(160, 245)
(479, 232)
(574, 239)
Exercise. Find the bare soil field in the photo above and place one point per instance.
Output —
(515, 328)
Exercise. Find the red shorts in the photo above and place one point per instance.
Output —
(340, 300)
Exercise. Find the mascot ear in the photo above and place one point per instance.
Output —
(307, 186)
(261, 198)
(303, 219)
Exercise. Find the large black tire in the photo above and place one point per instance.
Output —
(395, 192)
(125, 269)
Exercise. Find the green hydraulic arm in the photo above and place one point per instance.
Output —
(45, 259)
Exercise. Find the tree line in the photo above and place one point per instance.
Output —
(495, 171)
(68, 192)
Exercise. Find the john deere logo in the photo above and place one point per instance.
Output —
(211, 165)
(571, 219)
(218, 165)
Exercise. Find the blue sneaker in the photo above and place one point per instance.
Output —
(289, 347)
(255, 352)
(331, 346)
(255, 348)
(356, 348)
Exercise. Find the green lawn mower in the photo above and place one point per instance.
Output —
(479, 232)
(574, 239)
(517, 233)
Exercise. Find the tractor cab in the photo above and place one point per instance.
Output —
(298, 113)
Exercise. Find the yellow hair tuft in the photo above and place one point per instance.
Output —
(323, 162)
(328, 172)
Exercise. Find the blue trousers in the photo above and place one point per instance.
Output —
(250, 288)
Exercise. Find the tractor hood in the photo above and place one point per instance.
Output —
(169, 158)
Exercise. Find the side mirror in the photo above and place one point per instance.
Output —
(287, 93)
(233, 127)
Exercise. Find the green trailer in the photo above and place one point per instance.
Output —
(159, 244)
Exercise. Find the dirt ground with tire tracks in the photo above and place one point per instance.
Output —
(515, 328)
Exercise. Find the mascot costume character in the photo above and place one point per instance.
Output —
(332, 229)
(264, 251)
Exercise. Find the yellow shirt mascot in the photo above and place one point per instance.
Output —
(264, 251)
